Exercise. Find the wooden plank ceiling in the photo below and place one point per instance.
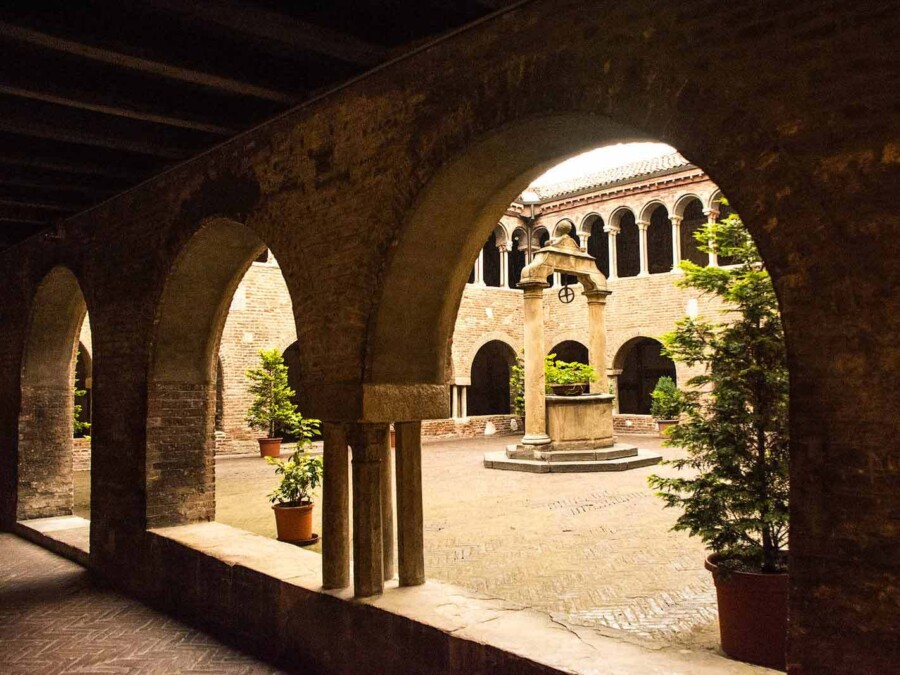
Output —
(96, 97)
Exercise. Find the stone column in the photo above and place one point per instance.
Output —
(504, 265)
(596, 302)
(557, 279)
(479, 268)
(454, 402)
(642, 244)
(535, 412)
(711, 217)
(585, 237)
(335, 508)
(367, 442)
(613, 253)
(676, 243)
(463, 401)
(387, 509)
(410, 519)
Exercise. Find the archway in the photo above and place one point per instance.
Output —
(489, 393)
(628, 254)
(46, 416)
(598, 243)
(692, 220)
(182, 385)
(642, 364)
(571, 350)
(659, 241)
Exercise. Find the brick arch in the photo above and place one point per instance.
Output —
(646, 211)
(46, 406)
(683, 200)
(181, 398)
(493, 336)
(590, 219)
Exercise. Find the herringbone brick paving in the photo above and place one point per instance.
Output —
(593, 550)
(53, 619)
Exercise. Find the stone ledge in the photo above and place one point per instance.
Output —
(499, 460)
(68, 536)
(434, 628)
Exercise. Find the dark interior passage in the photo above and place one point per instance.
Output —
(489, 393)
(642, 364)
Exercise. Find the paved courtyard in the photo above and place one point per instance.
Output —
(592, 550)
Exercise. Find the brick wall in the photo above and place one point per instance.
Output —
(470, 427)
(81, 454)
(634, 424)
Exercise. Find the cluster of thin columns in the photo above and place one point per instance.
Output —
(373, 508)
(612, 233)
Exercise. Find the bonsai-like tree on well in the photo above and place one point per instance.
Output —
(555, 372)
(665, 400)
(734, 415)
(273, 410)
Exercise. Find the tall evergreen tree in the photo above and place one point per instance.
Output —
(735, 414)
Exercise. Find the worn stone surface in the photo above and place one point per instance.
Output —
(792, 116)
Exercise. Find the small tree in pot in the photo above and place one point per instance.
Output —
(665, 404)
(273, 411)
(292, 499)
(735, 428)
(567, 378)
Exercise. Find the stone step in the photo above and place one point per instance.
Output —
(499, 460)
(617, 451)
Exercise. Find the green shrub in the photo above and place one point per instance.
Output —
(666, 400)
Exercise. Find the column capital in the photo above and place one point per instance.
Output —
(533, 287)
(676, 220)
(711, 212)
(642, 224)
(612, 229)
(596, 295)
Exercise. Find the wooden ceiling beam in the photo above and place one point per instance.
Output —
(41, 206)
(57, 187)
(117, 111)
(48, 132)
(276, 29)
(157, 68)
(61, 166)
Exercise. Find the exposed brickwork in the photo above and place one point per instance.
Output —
(45, 452)
(180, 468)
(634, 424)
(792, 115)
(471, 427)
(81, 454)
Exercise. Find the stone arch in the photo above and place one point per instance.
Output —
(44, 464)
(628, 257)
(648, 209)
(713, 203)
(682, 201)
(659, 239)
(493, 336)
(692, 219)
(594, 224)
(489, 391)
(641, 365)
(180, 478)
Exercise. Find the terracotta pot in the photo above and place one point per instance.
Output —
(753, 612)
(568, 389)
(293, 523)
(269, 447)
(662, 425)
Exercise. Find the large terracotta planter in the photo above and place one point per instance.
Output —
(753, 612)
(269, 447)
(662, 425)
(294, 523)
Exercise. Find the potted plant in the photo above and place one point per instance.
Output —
(665, 404)
(272, 411)
(734, 427)
(567, 378)
(292, 499)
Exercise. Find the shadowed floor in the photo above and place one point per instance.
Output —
(53, 619)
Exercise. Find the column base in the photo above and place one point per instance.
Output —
(535, 439)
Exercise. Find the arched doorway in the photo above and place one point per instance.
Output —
(642, 364)
(182, 388)
(46, 414)
(489, 393)
(571, 351)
